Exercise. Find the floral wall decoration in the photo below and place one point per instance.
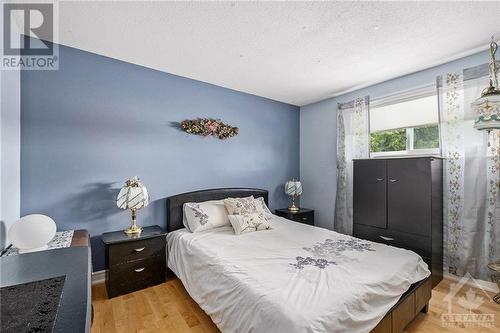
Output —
(208, 126)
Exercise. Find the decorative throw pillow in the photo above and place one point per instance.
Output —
(249, 222)
(248, 205)
(262, 208)
(199, 216)
(238, 206)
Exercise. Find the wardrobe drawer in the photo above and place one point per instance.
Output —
(369, 233)
(130, 251)
(418, 244)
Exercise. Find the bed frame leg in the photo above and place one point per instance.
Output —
(425, 309)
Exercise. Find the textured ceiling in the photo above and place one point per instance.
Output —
(295, 52)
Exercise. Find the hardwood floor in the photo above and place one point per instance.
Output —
(168, 308)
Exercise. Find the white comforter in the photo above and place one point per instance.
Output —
(294, 278)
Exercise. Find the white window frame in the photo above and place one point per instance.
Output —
(419, 92)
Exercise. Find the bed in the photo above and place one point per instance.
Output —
(295, 277)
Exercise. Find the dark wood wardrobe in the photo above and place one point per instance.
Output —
(399, 202)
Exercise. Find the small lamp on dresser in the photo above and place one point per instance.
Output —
(293, 188)
(32, 233)
(133, 196)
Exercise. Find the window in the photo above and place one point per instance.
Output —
(405, 125)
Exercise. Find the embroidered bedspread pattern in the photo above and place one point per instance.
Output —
(292, 278)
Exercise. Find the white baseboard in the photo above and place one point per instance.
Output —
(486, 285)
(98, 277)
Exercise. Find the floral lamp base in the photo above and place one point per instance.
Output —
(293, 208)
(134, 229)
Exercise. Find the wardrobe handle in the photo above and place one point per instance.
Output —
(386, 238)
(139, 249)
(138, 270)
(380, 179)
(393, 180)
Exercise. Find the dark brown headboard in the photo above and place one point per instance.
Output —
(175, 203)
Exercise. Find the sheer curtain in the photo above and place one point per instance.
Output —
(471, 177)
(353, 141)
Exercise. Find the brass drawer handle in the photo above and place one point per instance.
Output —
(138, 270)
(139, 249)
(386, 238)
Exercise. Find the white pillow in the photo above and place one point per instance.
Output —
(247, 205)
(249, 222)
(238, 206)
(262, 208)
(199, 216)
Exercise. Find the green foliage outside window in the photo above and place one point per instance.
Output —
(426, 137)
(394, 140)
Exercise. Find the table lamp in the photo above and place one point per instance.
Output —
(487, 107)
(32, 233)
(133, 196)
(293, 188)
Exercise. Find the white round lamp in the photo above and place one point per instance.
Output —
(32, 233)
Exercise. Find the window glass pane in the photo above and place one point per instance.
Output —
(394, 140)
(426, 137)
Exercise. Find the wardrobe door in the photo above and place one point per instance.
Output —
(409, 195)
(369, 193)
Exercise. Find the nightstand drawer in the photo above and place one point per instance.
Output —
(303, 215)
(134, 262)
(131, 251)
(307, 218)
(135, 275)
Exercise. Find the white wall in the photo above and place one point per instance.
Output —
(10, 150)
(318, 161)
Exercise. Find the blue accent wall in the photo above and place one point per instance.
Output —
(96, 121)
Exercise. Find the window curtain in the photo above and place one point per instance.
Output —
(353, 141)
(471, 177)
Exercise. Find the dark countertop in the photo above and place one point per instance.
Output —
(74, 314)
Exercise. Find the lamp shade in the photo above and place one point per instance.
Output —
(293, 187)
(487, 109)
(133, 195)
(32, 232)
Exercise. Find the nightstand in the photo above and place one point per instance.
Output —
(304, 215)
(134, 262)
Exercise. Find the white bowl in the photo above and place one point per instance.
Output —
(32, 233)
